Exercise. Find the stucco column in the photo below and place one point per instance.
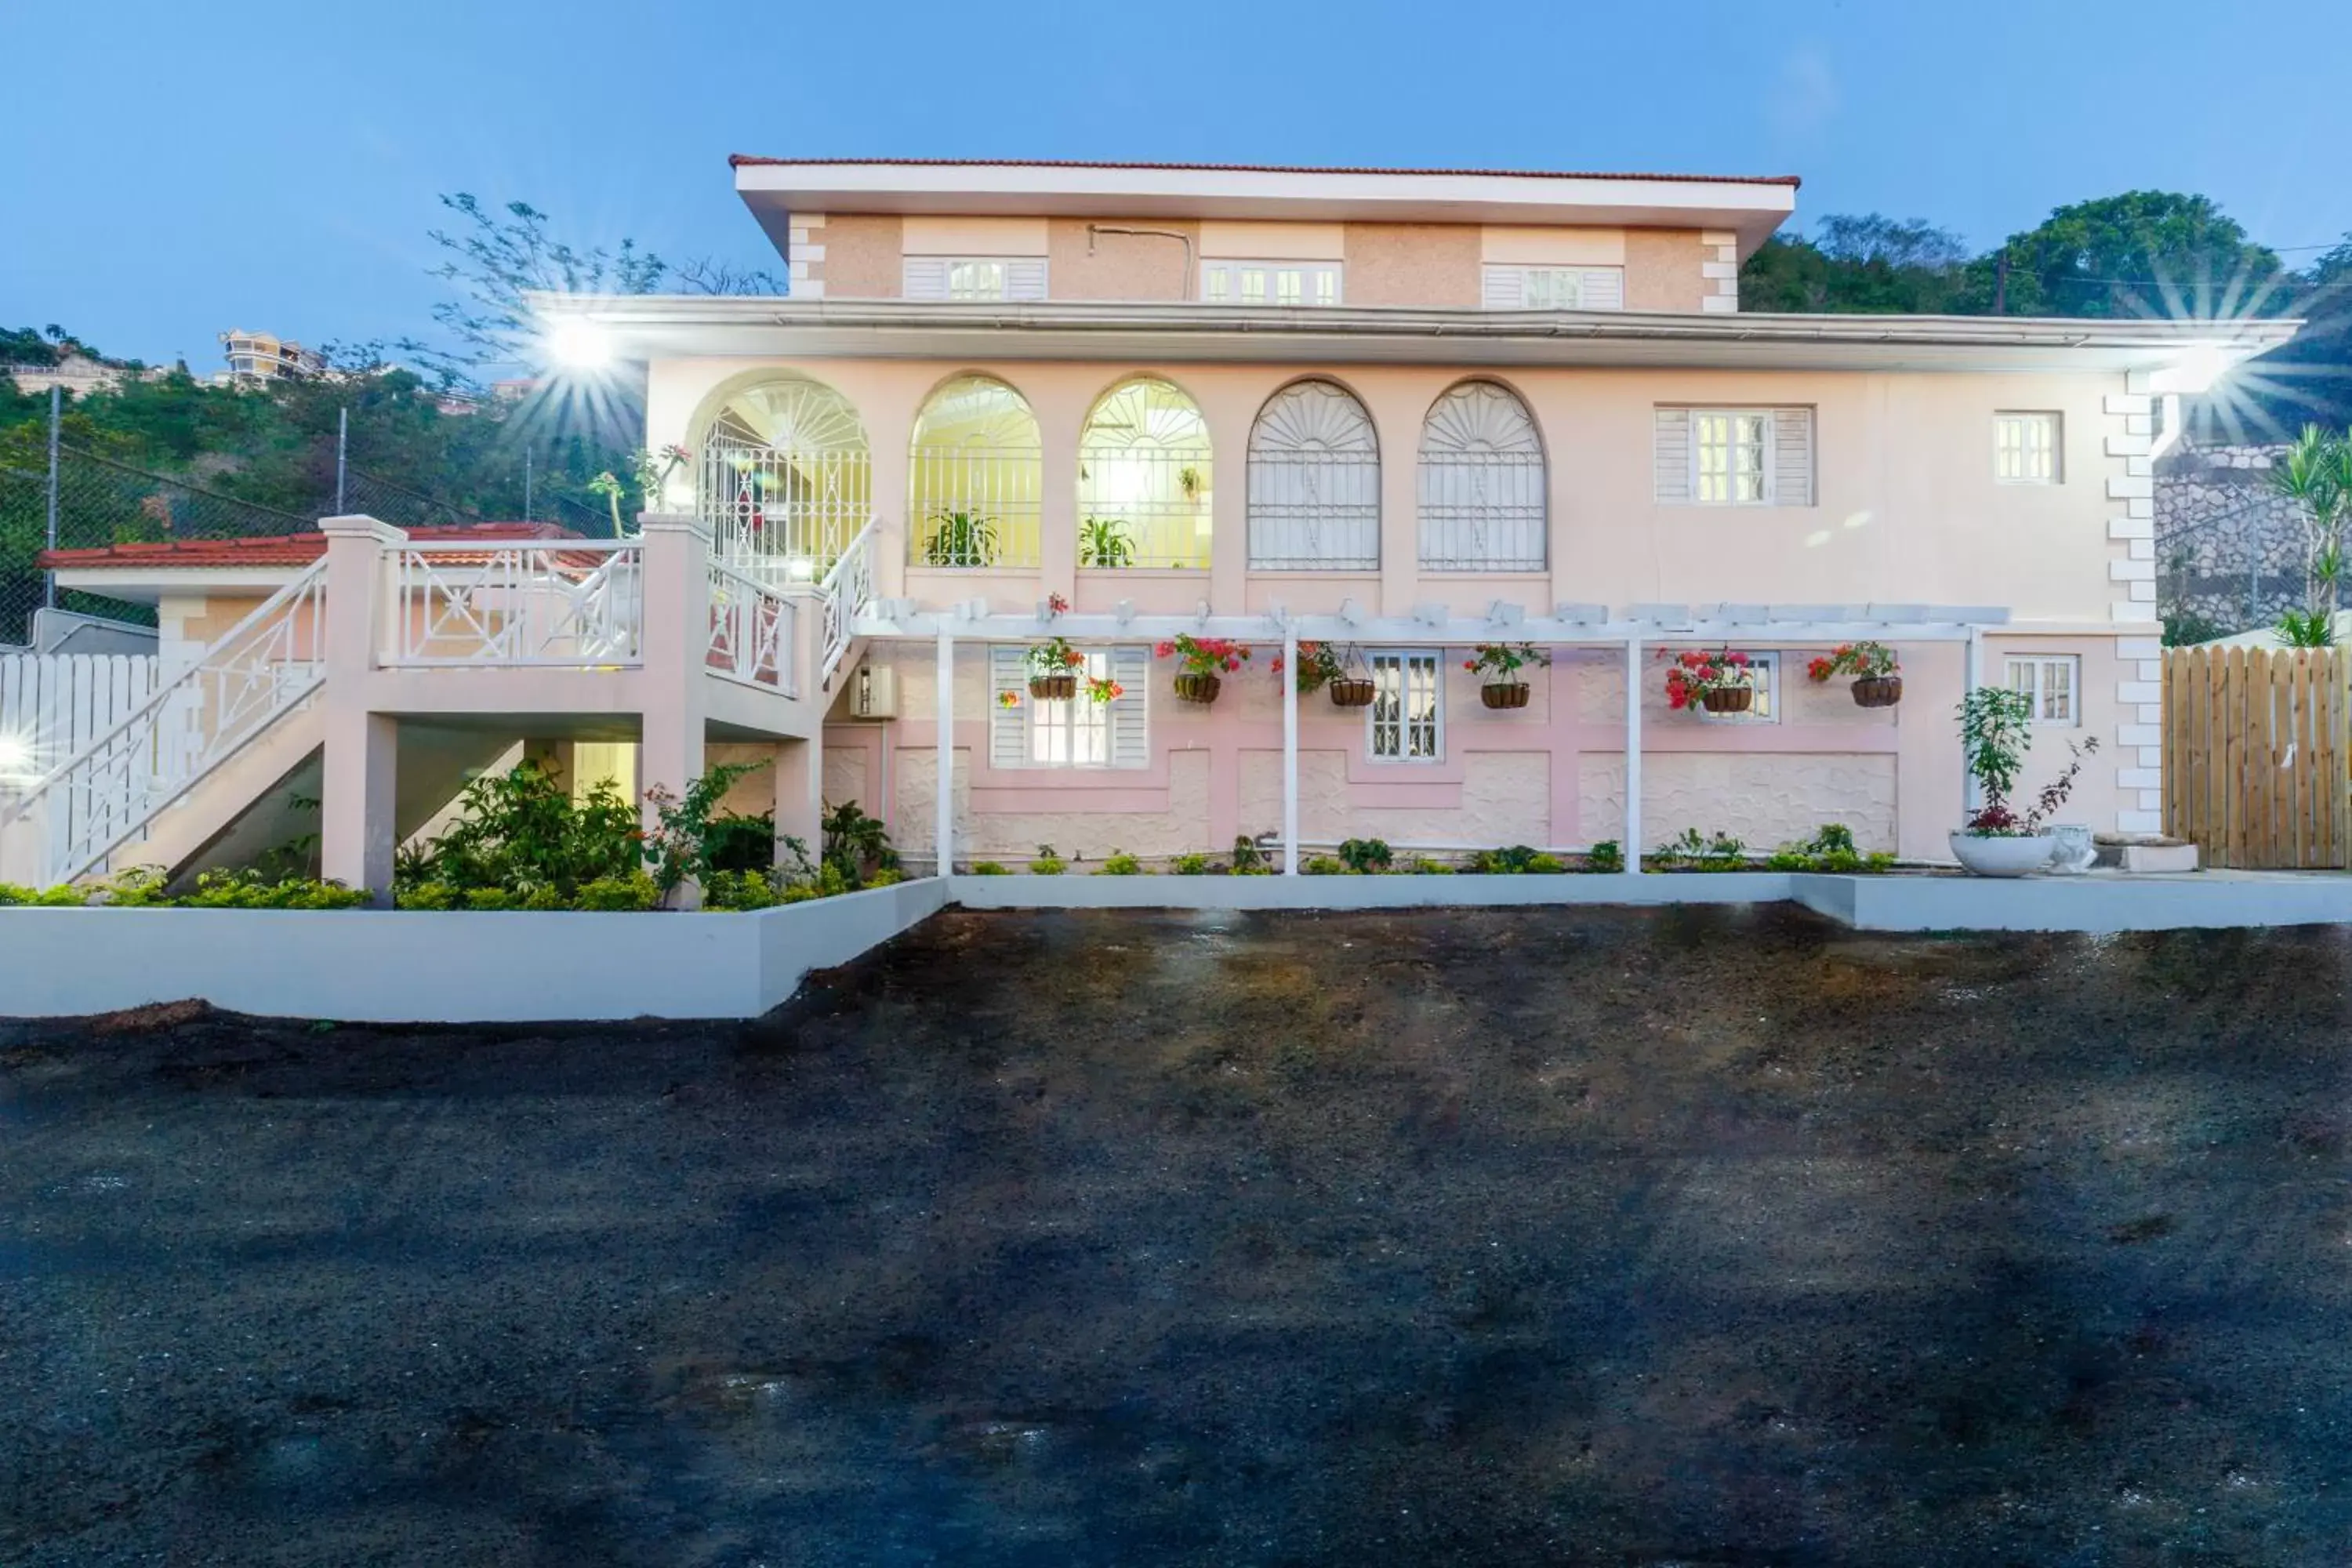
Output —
(673, 642)
(799, 780)
(1057, 510)
(360, 760)
(887, 463)
(1397, 418)
(1228, 508)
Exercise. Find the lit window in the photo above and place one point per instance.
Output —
(1731, 454)
(2025, 449)
(1292, 283)
(1074, 733)
(1402, 720)
(2052, 680)
(1764, 708)
(975, 281)
(1078, 732)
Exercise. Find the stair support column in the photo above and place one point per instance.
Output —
(674, 644)
(361, 761)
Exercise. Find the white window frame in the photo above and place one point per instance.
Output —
(1227, 281)
(1765, 708)
(964, 276)
(1768, 458)
(2032, 674)
(1057, 730)
(1079, 735)
(2013, 432)
(1392, 670)
(1558, 287)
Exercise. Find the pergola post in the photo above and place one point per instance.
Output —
(1633, 754)
(1971, 676)
(1289, 753)
(944, 828)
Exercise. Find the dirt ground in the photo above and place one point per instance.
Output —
(1714, 1237)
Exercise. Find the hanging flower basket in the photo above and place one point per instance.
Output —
(1504, 694)
(1200, 662)
(1200, 689)
(1351, 691)
(1878, 675)
(1728, 699)
(1053, 687)
(1878, 692)
(1054, 669)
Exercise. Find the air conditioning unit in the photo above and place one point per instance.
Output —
(873, 693)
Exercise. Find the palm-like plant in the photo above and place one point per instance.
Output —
(960, 539)
(2317, 476)
(1103, 542)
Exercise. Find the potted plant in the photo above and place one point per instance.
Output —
(1719, 683)
(960, 539)
(1996, 728)
(1103, 542)
(1878, 675)
(1497, 665)
(1202, 660)
(1323, 667)
(1053, 671)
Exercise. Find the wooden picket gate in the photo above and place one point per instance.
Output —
(2256, 745)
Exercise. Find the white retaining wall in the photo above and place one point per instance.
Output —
(413, 966)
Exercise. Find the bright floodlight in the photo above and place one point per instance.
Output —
(2194, 373)
(579, 345)
(15, 758)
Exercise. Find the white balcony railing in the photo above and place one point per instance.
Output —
(555, 604)
(754, 632)
(846, 589)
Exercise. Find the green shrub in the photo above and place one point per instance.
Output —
(520, 830)
(1830, 838)
(1547, 865)
(65, 896)
(988, 868)
(1510, 861)
(1606, 857)
(1788, 860)
(1120, 863)
(615, 895)
(734, 842)
(427, 896)
(1830, 849)
(14, 893)
(1693, 850)
(1423, 866)
(1878, 861)
(1326, 865)
(487, 900)
(856, 845)
(890, 877)
(1249, 861)
(1259, 869)
(736, 891)
(1047, 863)
(1367, 856)
(1188, 866)
(254, 889)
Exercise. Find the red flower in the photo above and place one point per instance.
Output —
(1165, 650)
(1469, 663)
(1074, 657)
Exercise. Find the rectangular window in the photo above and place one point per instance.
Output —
(1270, 282)
(1734, 457)
(972, 277)
(1731, 458)
(1403, 721)
(2025, 449)
(1554, 288)
(976, 280)
(1080, 733)
(1765, 707)
(2053, 681)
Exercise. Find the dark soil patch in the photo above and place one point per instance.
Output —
(1705, 1236)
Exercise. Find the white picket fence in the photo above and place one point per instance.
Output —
(53, 705)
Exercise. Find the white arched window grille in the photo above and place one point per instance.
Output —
(975, 477)
(1143, 480)
(1482, 483)
(1314, 482)
(786, 479)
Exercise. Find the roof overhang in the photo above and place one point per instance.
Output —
(652, 327)
(1751, 207)
(150, 582)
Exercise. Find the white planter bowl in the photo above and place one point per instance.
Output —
(2011, 857)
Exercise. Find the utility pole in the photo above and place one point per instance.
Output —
(342, 446)
(57, 415)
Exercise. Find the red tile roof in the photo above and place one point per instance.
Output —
(740, 160)
(271, 550)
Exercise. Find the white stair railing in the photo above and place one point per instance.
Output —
(846, 589)
(754, 632)
(111, 789)
(550, 603)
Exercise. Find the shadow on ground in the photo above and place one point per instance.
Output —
(1710, 1237)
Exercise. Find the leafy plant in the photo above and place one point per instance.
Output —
(1120, 863)
(1053, 657)
(856, 846)
(1423, 866)
(1995, 730)
(988, 869)
(1866, 659)
(1517, 859)
(1700, 852)
(1365, 855)
(1326, 865)
(1249, 858)
(1502, 661)
(1047, 863)
(1103, 542)
(960, 539)
(613, 895)
(520, 830)
(1319, 664)
(686, 826)
(1607, 856)
(2306, 629)
(1188, 866)
(2315, 474)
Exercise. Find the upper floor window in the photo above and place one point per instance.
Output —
(2025, 449)
(1403, 723)
(975, 477)
(1080, 732)
(1270, 282)
(1555, 289)
(1734, 457)
(1314, 482)
(2051, 680)
(1144, 479)
(973, 277)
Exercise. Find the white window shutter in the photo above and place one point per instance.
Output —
(924, 278)
(1792, 456)
(1673, 455)
(1130, 715)
(1024, 277)
(1600, 288)
(1504, 289)
(1008, 728)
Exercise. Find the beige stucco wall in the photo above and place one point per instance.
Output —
(1663, 269)
(863, 255)
(1412, 264)
(1122, 266)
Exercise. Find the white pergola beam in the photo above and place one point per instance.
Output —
(1546, 631)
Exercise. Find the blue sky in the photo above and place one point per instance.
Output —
(276, 165)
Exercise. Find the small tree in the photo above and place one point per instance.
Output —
(2317, 476)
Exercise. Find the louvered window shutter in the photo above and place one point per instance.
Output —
(924, 278)
(1600, 288)
(1130, 715)
(1024, 277)
(1008, 728)
(1503, 289)
(1792, 456)
(1674, 454)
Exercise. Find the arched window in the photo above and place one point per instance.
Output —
(975, 477)
(1482, 483)
(1314, 482)
(785, 475)
(1143, 480)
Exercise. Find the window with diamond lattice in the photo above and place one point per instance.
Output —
(1314, 482)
